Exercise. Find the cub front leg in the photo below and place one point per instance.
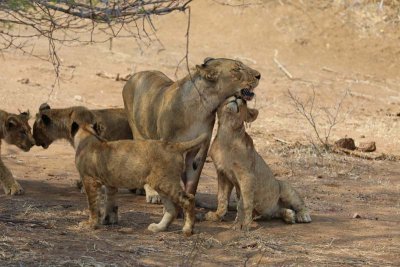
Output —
(224, 191)
(246, 203)
(10, 185)
(93, 194)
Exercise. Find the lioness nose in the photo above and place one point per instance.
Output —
(258, 76)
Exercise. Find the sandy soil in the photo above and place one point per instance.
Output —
(328, 47)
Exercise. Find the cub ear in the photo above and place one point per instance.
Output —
(207, 59)
(251, 115)
(99, 128)
(46, 119)
(74, 128)
(44, 106)
(25, 116)
(11, 123)
(207, 72)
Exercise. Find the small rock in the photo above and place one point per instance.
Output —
(356, 216)
(367, 147)
(78, 98)
(347, 143)
(362, 136)
(24, 80)
(398, 114)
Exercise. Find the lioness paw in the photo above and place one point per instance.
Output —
(303, 217)
(155, 228)
(15, 189)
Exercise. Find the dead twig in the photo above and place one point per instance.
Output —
(281, 67)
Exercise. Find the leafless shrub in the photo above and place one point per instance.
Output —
(68, 22)
(308, 110)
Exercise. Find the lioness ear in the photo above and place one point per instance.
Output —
(44, 106)
(99, 128)
(207, 72)
(11, 123)
(251, 115)
(74, 128)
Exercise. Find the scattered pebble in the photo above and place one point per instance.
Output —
(356, 216)
(78, 98)
(367, 146)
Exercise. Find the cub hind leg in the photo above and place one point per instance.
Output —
(291, 201)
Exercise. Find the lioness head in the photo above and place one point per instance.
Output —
(54, 124)
(229, 77)
(234, 112)
(18, 132)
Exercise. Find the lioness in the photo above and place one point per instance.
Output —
(131, 164)
(159, 108)
(15, 130)
(239, 165)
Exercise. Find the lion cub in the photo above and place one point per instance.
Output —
(239, 165)
(131, 164)
(15, 130)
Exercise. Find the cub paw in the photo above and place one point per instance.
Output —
(111, 217)
(187, 231)
(89, 224)
(212, 216)
(245, 227)
(303, 217)
(14, 189)
(153, 198)
(289, 216)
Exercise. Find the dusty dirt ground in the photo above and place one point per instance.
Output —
(325, 45)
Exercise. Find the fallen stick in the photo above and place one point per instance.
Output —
(281, 67)
(369, 156)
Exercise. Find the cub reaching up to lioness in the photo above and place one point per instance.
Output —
(239, 165)
(131, 164)
(15, 130)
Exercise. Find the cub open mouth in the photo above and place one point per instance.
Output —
(247, 94)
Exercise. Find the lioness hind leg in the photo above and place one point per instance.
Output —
(291, 199)
(10, 185)
(110, 214)
(170, 212)
(224, 191)
(93, 194)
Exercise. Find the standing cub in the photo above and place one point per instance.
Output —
(239, 165)
(131, 164)
(15, 130)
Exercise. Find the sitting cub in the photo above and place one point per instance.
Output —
(238, 164)
(15, 130)
(131, 164)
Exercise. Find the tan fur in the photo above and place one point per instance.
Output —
(15, 130)
(132, 164)
(239, 165)
(161, 109)
(52, 124)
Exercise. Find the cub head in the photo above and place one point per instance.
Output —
(53, 124)
(234, 113)
(18, 132)
(229, 77)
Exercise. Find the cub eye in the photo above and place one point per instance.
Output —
(22, 133)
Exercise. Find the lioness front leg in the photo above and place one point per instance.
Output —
(10, 185)
(93, 194)
(110, 214)
(224, 191)
(151, 195)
